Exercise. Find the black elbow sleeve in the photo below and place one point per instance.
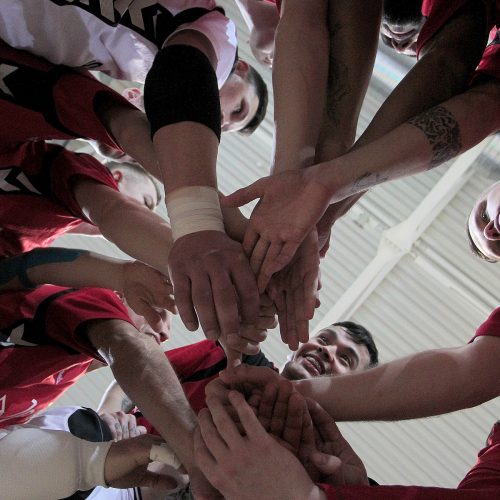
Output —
(182, 86)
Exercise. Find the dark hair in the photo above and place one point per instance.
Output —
(254, 78)
(474, 248)
(402, 11)
(138, 170)
(361, 335)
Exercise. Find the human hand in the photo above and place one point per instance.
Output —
(147, 292)
(327, 456)
(250, 336)
(122, 425)
(213, 282)
(291, 203)
(127, 461)
(294, 290)
(251, 465)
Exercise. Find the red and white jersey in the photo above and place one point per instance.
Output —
(32, 378)
(117, 37)
(36, 195)
(51, 318)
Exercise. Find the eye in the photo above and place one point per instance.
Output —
(238, 109)
(346, 360)
(322, 339)
(484, 216)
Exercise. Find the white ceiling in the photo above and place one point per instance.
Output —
(399, 264)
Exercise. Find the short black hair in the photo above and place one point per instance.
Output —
(254, 78)
(474, 248)
(400, 11)
(361, 335)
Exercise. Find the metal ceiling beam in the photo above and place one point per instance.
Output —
(398, 241)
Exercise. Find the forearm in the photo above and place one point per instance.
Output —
(422, 143)
(130, 128)
(425, 384)
(299, 81)
(114, 399)
(152, 385)
(61, 266)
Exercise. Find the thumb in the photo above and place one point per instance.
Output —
(328, 465)
(245, 195)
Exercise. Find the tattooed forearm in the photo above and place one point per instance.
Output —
(442, 132)
(338, 78)
(366, 181)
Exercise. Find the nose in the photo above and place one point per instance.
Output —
(400, 45)
(491, 232)
(328, 352)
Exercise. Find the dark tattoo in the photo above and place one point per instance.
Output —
(338, 81)
(366, 181)
(442, 132)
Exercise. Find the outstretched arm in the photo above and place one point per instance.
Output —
(212, 279)
(133, 228)
(421, 385)
(144, 288)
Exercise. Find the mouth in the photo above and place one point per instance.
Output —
(314, 365)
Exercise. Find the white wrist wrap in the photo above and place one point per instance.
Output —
(192, 209)
(162, 453)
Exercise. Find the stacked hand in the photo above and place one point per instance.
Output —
(148, 292)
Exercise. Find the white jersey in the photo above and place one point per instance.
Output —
(118, 37)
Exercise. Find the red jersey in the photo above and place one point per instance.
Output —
(38, 100)
(439, 12)
(51, 318)
(491, 327)
(37, 203)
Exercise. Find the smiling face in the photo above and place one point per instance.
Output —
(331, 352)
(401, 25)
(484, 223)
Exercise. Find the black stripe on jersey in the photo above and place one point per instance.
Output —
(35, 330)
(158, 22)
(254, 360)
(206, 372)
(33, 89)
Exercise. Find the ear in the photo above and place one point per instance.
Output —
(117, 176)
(242, 66)
(131, 93)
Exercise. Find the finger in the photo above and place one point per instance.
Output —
(250, 240)
(280, 409)
(225, 302)
(246, 289)
(210, 434)
(293, 428)
(156, 481)
(330, 466)
(204, 458)
(276, 261)
(256, 376)
(118, 431)
(204, 304)
(252, 334)
(266, 406)
(291, 333)
(182, 294)
(268, 265)
(241, 345)
(110, 422)
(244, 195)
(301, 322)
(140, 430)
(258, 255)
(233, 357)
(224, 423)
(152, 316)
(251, 425)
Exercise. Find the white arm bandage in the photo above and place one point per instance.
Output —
(192, 209)
(162, 453)
(48, 464)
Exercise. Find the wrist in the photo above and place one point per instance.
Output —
(194, 208)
